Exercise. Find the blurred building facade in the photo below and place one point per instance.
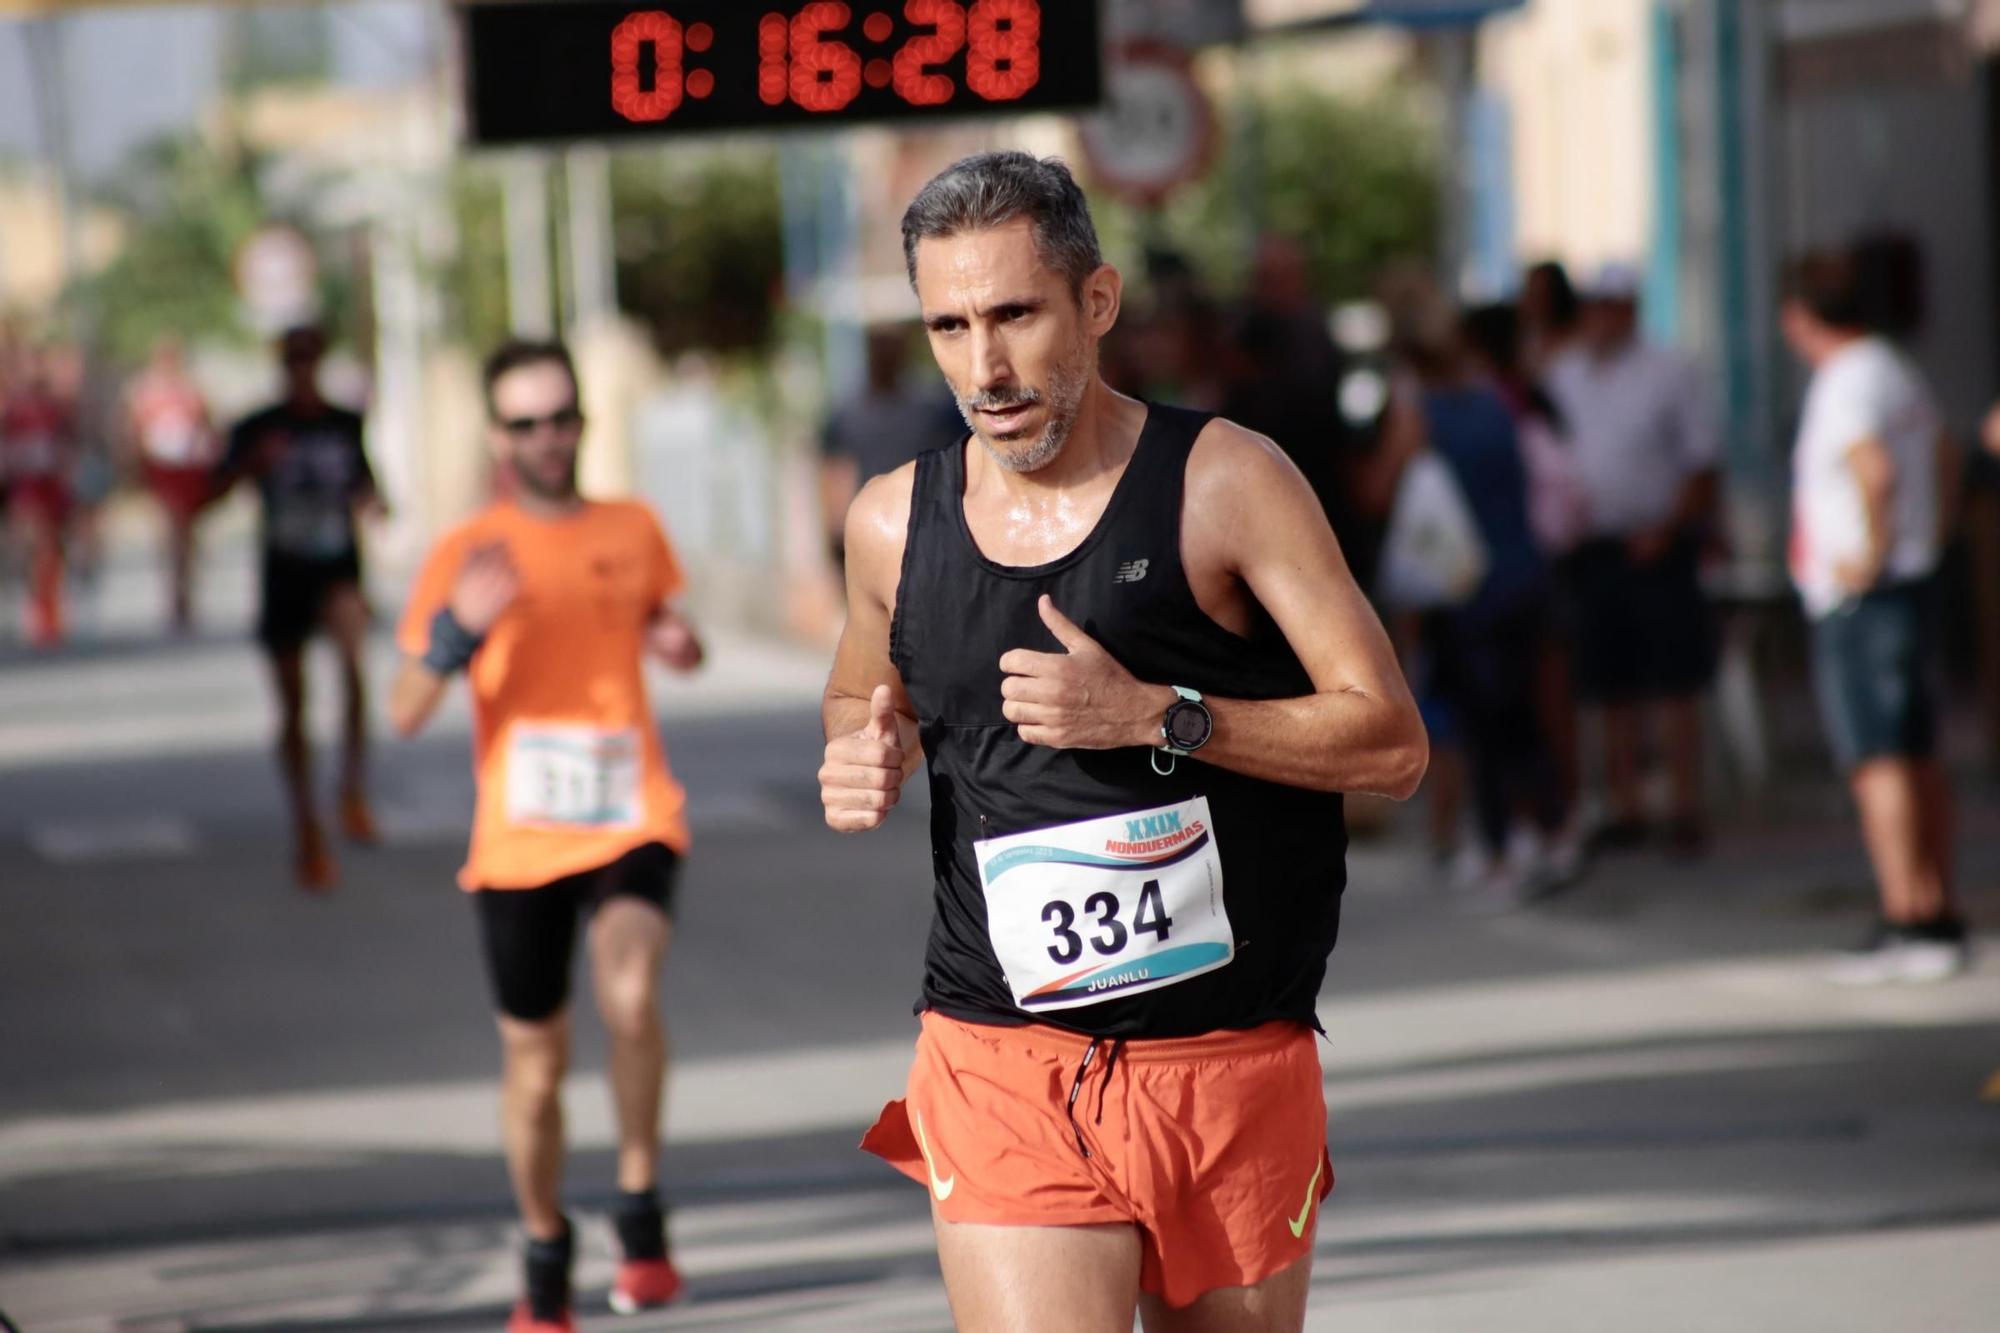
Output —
(1709, 140)
(35, 251)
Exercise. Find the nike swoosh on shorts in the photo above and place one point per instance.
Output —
(1298, 1225)
(943, 1188)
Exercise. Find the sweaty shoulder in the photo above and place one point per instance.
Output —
(878, 524)
(1232, 466)
(880, 515)
(1243, 495)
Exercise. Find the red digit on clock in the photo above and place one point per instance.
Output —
(1006, 56)
(628, 40)
(826, 75)
(914, 81)
(774, 44)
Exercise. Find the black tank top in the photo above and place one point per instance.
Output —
(1282, 849)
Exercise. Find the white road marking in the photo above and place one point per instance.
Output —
(130, 838)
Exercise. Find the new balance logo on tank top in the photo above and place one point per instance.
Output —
(1082, 888)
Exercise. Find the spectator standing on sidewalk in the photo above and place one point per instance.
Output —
(1550, 311)
(1873, 476)
(1558, 511)
(1486, 652)
(1646, 450)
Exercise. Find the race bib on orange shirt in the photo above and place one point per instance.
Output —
(1109, 907)
(566, 776)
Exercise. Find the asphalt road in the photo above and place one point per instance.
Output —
(226, 1105)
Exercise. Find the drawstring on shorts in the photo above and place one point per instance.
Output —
(1114, 1046)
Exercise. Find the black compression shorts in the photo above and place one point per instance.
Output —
(530, 934)
(295, 595)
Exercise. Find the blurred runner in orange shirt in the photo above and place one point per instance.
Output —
(550, 603)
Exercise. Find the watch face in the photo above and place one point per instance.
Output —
(1188, 725)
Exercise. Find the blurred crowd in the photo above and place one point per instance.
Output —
(1529, 489)
(68, 441)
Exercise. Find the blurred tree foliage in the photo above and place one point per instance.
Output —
(1352, 180)
(474, 281)
(698, 241)
(187, 209)
(700, 245)
(187, 205)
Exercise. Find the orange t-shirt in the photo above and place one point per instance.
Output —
(570, 769)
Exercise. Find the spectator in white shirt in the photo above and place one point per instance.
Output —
(1873, 473)
(1645, 450)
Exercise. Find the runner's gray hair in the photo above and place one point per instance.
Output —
(992, 189)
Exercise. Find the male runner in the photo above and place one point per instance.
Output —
(1124, 639)
(551, 603)
(314, 482)
(38, 458)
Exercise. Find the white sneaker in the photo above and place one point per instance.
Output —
(1532, 860)
(1502, 890)
(1564, 856)
(1910, 955)
(1470, 868)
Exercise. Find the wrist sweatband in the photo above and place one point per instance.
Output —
(452, 644)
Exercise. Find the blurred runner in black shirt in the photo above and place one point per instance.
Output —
(313, 480)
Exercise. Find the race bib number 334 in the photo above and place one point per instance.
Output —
(573, 777)
(1106, 907)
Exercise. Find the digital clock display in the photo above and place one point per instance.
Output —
(587, 70)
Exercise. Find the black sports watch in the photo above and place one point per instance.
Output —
(1186, 727)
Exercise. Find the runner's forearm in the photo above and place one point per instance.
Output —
(414, 697)
(1346, 741)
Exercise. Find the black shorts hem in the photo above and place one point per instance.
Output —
(528, 936)
(295, 594)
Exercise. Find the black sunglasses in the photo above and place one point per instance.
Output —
(565, 420)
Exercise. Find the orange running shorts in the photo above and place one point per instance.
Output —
(1214, 1147)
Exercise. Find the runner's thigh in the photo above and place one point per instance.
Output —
(1275, 1305)
(1007, 1279)
(344, 612)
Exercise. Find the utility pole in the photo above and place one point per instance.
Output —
(592, 259)
(525, 179)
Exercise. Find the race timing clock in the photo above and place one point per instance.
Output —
(587, 70)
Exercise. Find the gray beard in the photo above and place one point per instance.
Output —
(1065, 397)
